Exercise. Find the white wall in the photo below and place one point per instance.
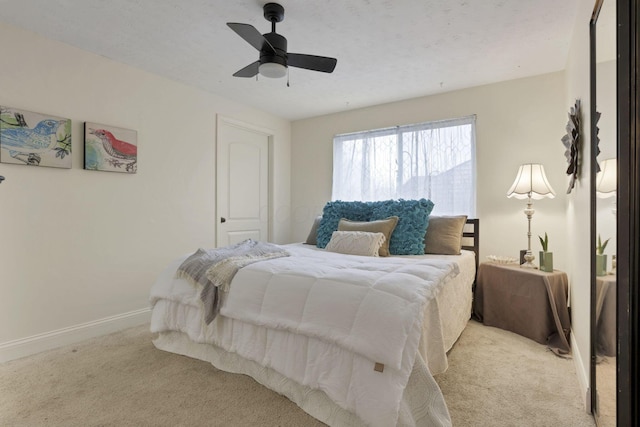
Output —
(78, 246)
(577, 218)
(518, 121)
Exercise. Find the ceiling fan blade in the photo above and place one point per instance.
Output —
(252, 36)
(312, 62)
(248, 71)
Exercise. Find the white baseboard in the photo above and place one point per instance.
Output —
(583, 377)
(37, 343)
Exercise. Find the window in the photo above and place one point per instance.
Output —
(434, 160)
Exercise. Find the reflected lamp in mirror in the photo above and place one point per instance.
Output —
(607, 181)
(530, 183)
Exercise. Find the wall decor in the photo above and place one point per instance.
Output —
(35, 139)
(572, 143)
(109, 148)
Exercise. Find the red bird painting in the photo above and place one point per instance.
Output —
(116, 152)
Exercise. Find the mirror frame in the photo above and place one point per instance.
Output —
(628, 200)
(593, 165)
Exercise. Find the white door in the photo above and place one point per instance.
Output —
(242, 187)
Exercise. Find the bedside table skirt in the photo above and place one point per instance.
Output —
(531, 303)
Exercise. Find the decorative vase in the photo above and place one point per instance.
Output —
(546, 261)
(601, 265)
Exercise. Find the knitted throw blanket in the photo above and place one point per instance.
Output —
(213, 269)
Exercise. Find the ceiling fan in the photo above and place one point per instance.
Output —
(274, 58)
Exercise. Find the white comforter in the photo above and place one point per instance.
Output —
(356, 312)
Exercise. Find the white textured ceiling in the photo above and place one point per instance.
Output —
(387, 50)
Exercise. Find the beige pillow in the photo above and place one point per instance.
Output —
(444, 235)
(312, 238)
(384, 226)
(355, 243)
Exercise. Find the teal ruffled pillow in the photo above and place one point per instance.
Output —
(408, 236)
(334, 211)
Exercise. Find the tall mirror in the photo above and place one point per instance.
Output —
(604, 185)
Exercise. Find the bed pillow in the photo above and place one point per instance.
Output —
(312, 238)
(384, 226)
(355, 243)
(408, 236)
(444, 235)
(336, 210)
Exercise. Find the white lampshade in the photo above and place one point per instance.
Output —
(531, 181)
(272, 70)
(607, 179)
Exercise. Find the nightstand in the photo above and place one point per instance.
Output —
(529, 302)
(606, 315)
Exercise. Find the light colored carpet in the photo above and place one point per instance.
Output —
(498, 378)
(606, 379)
(495, 378)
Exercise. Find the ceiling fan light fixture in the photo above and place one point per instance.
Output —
(272, 70)
(274, 57)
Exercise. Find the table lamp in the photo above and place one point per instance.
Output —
(607, 181)
(606, 186)
(530, 183)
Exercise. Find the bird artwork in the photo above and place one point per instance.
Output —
(107, 152)
(47, 143)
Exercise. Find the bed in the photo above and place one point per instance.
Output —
(362, 351)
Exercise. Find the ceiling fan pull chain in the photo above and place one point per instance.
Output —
(287, 76)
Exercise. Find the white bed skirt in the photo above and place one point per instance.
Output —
(415, 410)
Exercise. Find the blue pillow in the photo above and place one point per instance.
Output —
(334, 211)
(408, 236)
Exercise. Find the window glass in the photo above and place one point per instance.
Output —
(434, 160)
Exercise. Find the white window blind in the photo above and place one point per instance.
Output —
(434, 160)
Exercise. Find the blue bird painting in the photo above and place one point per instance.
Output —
(47, 143)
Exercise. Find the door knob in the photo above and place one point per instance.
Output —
(223, 219)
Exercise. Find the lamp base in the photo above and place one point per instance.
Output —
(528, 260)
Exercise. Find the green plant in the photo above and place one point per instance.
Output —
(600, 246)
(544, 242)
